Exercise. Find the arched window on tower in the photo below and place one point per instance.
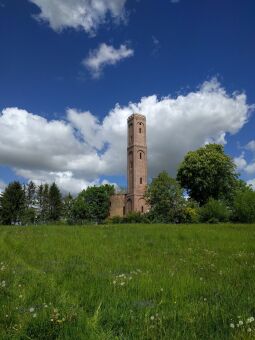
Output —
(142, 209)
(141, 180)
(140, 155)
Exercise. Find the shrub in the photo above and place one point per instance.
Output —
(214, 211)
(244, 207)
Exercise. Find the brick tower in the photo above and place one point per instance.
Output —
(136, 164)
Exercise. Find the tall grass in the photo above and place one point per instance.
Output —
(127, 282)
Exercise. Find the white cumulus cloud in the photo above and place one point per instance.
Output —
(105, 55)
(79, 14)
(81, 149)
(240, 162)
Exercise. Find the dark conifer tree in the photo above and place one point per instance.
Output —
(55, 203)
(12, 203)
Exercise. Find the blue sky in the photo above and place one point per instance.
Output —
(65, 66)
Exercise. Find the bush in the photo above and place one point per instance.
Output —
(244, 207)
(214, 211)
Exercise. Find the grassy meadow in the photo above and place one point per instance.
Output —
(127, 282)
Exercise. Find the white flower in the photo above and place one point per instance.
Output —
(34, 315)
(249, 330)
(240, 322)
(31, 310)
(232, 325)
(122, 283)
(152, 317)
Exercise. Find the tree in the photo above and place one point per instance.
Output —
(214, 211)
(93, 204)
(208, 172)
(12, 203)
(68, 202)
(54, 203)
(165, 198)
(244, 206)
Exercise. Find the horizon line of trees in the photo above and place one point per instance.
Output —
(208, 176)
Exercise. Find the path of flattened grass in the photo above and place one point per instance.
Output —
(127, 282)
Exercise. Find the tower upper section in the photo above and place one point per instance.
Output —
(136, 155)
(136, 130)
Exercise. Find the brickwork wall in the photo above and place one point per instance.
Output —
(117, 205)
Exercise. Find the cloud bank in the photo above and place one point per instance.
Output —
(79, 14)
(105, 55)
(81, 149)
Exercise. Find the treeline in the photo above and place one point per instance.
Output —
(31, 204)
(207, 188)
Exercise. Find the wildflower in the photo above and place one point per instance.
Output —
(31, 310)
(114, 282)
(161, 289)
(240, 323)
(249, 320)
(34, 315)
(232, 325)
(6, 315)
(20, 296)
(51, 320)
(122, 283)
(205, 299)
(249, 330)
(152, 317)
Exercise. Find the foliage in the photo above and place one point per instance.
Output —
(214, 211)
(93, 204)
(208, 172)
(55, 203)
(165, 198)
(191, 212)
(68, 202)
(12, 204)
(244, 206)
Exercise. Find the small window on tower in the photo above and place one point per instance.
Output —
(140, 155)
(142, 209)
(140, 130)
(141, 180)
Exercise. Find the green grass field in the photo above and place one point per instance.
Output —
(127, 282)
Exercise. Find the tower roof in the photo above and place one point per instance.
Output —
(136, 115)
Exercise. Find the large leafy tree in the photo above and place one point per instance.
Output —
(12, 204)
(208, 173)
(93, 204)
(165, 198)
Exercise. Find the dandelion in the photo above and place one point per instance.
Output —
(249, 330)
(240, 323)
(31, 310)
(232, 325)
(34, 315)
(152, 317)
(122, 283)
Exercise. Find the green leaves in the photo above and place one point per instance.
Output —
(165, 198)
(208, 172)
